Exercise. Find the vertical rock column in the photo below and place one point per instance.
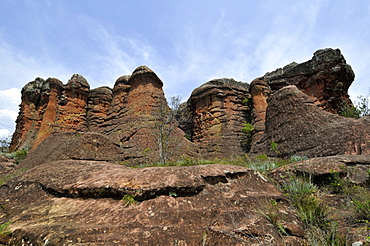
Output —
(219, 113)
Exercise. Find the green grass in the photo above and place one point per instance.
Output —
(306, 198)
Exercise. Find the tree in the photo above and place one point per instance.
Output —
(166, 125)
(5, 143)
(359, 109)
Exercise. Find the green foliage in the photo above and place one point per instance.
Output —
(297, 187)
(172, 194)
(247, 128)
(313, 212)
(4, 231)
(274, 147)
(128, 200)
(350, 111)
(18, 155)
(296, 158)
(361, 108)
(263, 167)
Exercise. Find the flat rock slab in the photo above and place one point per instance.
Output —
(354, 168)
(80, 203)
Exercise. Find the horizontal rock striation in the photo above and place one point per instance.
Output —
(219, 110)
(135, 116)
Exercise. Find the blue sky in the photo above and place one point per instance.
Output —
(186, 43)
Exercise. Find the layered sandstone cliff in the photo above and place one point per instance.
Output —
(129, 115)
(219, 109)
(134, 113)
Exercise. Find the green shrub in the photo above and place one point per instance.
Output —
(297, 187)
(128, 200)
(274, 146)
(4, 231)
(18, 155)
(263, 167)
(247, 128)
(350, 111)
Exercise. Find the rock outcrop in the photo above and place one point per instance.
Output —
(80, 203)
(325, 79)
(297, 126)
(219, 110)
(128, 115)
(323, 170)
(135, 115)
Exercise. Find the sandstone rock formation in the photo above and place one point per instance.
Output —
(79, 203)
(134, 114)
(219, 110)
(298, 126)
(325, 79)
(128, 115)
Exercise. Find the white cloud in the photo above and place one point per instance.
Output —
(9, 101)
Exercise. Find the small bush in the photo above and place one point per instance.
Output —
(18, 155)
(263, 167)
(4, 231)
(128, 200)
(296, 158)
(297, 187)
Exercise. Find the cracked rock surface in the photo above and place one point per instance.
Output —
(76, 202)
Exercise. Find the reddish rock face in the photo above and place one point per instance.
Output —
(325, 78)
(299, 127)
(260, 92)
(219, 109)
(196, 205)
(38, 112)
(99, 101)
(128, 115)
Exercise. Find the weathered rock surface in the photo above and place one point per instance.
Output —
(6, 164)
(325, 79)
(299, 127)
(354, 168)
(128, 115)
(79, 203)
(73, 146)
(220, 108)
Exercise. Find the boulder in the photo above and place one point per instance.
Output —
(295, 125)
(220, 108)
(77, 202)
